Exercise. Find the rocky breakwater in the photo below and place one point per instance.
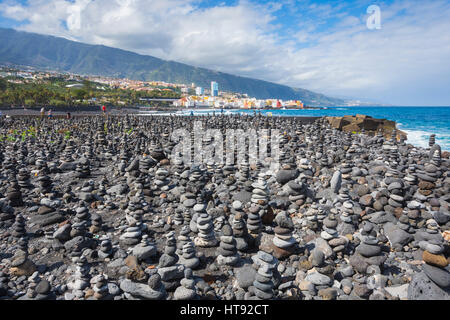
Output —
(368, 125)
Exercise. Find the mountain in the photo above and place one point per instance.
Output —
(48, 52)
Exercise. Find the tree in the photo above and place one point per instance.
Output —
(3, 84)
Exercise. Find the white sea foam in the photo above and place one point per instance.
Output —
(417, 137)
(420, 138)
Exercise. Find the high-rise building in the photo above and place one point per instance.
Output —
(199, 91)
(214, 89)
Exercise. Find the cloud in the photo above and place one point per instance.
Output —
(322, 47)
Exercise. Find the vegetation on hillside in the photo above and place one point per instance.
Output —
(54, 92)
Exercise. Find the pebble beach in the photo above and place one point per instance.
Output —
(98, 208)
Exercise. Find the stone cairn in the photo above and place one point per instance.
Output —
(239, 227)
(254, 225)
(434, 280)
(310, 223)
(347, 217)
(145, 249)
(133, 215)
(368, 253)
(168, 269)
(206, 237)
(260, 194)
(267, 277)
(13, 193)
(187, 289)
(6, 215)
(80, 279)
(396, 195)
(105, 249)
(83, 168)
(227, 252)
(178, 218)
(188, 254)
(284, 244)
(100, 286)
(23, 178)
(81, 222)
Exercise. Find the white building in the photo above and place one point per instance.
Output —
(214, 89)
(199, 91)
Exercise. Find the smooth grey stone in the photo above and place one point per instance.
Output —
(422, 288)
(439, 276)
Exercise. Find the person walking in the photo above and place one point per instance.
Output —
(42, 112)
(104, 109)
(50, 115)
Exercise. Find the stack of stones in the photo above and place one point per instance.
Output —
(145, 249)
(80, 279)
(322, 212)
(343, 196)
(45, 182)
(161, 182)
(219, 222)
(239, 227)
(346, 171)
(6, 215)
(329, 226)
(260, 193)
(264, 259)
(132, 234)
(432, 140)
(178, 218)
(297, 192)
(83, 168)
(347, 217)
(168, 269)
(187, 216)
(23, 178)
(436, 156)
(145, 163)
(254, 223)
(310, 223)
(96, 223)
(100, 286)
(411, 177)
(263, 284)
(244, 173)
(18, 227)
(81, 222)
(206, 237)
(433, 283)
(188, 256)
(396, 195)
(283, 243)
(133, 215)
(227, 251)
(67, 156)
(13, 193)
(187, 289)
(368, 252)
(156, 152)
(105, 250)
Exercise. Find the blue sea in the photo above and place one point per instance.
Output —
(418, 122)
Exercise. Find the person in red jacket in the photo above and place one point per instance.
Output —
(104, 109)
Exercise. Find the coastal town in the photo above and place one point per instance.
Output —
(146, 92)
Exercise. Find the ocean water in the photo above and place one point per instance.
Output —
(418, 122)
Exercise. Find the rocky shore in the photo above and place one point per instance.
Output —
(97, 208)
